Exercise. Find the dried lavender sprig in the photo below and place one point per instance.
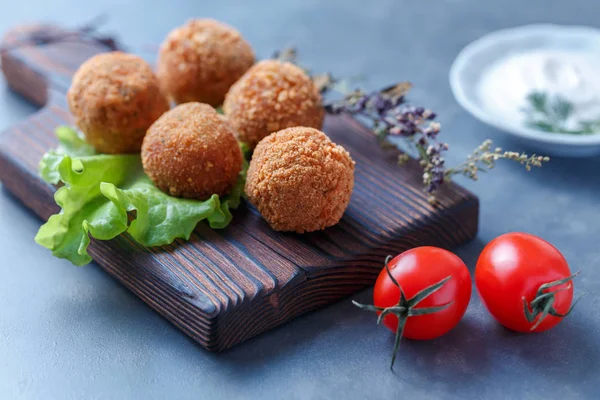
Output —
(391, 116)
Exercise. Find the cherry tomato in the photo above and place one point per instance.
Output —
(421, 294)
(416, 270)
(510, 275)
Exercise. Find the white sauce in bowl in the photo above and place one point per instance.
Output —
(574, 76)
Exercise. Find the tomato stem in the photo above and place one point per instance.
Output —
(405, 308)
(397, 339)
(543, 303)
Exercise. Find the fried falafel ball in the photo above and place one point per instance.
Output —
(299, 180)
(200, 60)
(271, 96)
(191, 152)
(115, 97)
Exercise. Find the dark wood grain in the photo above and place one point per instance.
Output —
(225, 286)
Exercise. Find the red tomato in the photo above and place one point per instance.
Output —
(510, 271)
(416, 270)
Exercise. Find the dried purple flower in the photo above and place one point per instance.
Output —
(390, 116)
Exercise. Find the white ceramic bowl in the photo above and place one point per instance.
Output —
(475, 59)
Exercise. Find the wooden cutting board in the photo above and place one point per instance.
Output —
(225, 286)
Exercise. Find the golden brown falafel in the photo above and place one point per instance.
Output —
(191, 152)
(200, 60)
(299, 180)
(271, 96)
(114, 98)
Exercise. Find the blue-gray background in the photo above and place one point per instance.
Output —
(68, 332)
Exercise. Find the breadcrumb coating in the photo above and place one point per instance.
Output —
(271, 96)
(115, 97)
(200, 60)
(191, 152)
(299, 180)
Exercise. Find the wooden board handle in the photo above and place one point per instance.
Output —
(40, 58)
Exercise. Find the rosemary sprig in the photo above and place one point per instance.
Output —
(551, 114)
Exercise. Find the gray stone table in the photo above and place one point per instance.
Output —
(74, 333)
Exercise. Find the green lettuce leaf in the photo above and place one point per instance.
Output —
(100, 192)
(70, 143)
(160, 218)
